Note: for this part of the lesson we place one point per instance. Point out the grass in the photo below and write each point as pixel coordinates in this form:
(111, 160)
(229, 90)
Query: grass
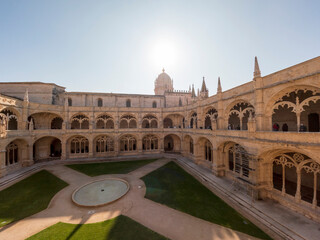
(96, 169)
(120, 228)
(29, 196)
(172, 186)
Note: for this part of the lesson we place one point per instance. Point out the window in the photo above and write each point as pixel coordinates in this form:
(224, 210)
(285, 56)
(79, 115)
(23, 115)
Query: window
(128, 103)
(180, 102)
(100, 102)
(154, 104)
(69, 102)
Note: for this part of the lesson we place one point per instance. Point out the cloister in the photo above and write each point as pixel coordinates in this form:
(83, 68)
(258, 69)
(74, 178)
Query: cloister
(264, 134)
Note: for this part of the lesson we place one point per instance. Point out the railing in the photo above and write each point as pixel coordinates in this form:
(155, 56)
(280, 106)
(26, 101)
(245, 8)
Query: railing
(307, 138)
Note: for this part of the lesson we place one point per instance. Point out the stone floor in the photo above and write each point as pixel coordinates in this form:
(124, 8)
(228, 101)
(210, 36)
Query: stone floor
(164, 220)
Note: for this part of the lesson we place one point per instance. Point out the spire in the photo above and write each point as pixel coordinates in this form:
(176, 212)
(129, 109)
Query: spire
(219, 89)
(256, 72)
(162, 69)
(26, 96)
(189, 88)
(193, 94)
(204, 87)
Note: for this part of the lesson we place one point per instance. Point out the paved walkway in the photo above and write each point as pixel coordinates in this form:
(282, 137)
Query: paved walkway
(164, 220)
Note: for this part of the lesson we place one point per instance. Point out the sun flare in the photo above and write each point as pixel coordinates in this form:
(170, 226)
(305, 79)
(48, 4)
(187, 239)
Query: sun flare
(164, 53)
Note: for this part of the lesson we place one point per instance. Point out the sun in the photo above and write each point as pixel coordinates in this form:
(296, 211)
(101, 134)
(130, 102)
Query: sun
(164, 53)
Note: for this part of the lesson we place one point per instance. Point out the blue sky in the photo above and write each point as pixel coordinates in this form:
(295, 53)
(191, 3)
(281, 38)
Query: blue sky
(109, 46)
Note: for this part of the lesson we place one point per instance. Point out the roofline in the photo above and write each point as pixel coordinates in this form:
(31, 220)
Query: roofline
(115, 94)
(285, 69)
(33, 83)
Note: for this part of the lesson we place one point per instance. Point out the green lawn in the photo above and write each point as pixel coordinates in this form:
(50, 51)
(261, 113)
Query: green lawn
(29, 196)
(96, 169)
(121, 228)
(172, 186)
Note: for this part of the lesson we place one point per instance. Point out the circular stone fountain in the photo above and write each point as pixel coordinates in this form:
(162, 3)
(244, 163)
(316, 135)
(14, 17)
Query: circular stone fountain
(100, 192)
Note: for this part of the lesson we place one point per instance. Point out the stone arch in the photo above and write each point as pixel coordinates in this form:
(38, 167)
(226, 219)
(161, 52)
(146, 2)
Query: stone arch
(205, 149)
(103, 144)
(236, 159)
(188, 144)
(238, 113)
(9, 119)
(47, 148)
(211, 116)
(193, 119)
(79, 121)
(172, 143)
(150, 142)
(16, 153)
(173, 121)
(149, 121)
(293, 174)
(295, 109)
(127, 143)
(56, 123)
(78, 145)
(104, 121)
(128, 121)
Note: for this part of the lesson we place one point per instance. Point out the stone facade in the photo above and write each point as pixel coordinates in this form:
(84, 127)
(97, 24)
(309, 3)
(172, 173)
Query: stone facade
(264, 134)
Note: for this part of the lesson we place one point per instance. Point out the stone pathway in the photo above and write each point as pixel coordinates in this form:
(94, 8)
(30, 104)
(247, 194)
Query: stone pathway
(164, 220)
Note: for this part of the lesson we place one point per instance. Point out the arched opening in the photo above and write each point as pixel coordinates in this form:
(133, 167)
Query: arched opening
(287, 166)
(188, 143)
(128, 143)
(172, 143)
(210, 116)
(12, 154)
(56, 123)
(133, 123)
(167, 123)
(104, 144)
(238, 160)
(149, 121)
(205, 149)
(69, 102)
(239, 116)
(47, 148)
(297, 110)
(173, 121)
(128, 103)
(128, 121)
(80, 121)
(194, 120)
(78, 145)
(9, 120)
(45, 120)
(100, 102)
(154, 104)
(150, 143)
(104, 122)
(17, 152)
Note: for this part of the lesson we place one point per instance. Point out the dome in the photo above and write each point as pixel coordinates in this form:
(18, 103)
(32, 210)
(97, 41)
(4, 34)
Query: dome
(163, 83)
(163, 78)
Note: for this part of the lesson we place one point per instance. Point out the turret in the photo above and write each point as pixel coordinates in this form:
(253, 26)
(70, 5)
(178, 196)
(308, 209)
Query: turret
(256, 72)
(219, 89)
(204, 91)
(193, 93)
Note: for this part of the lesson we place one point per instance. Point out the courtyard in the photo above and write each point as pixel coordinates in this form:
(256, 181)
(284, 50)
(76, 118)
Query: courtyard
(164, 202)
